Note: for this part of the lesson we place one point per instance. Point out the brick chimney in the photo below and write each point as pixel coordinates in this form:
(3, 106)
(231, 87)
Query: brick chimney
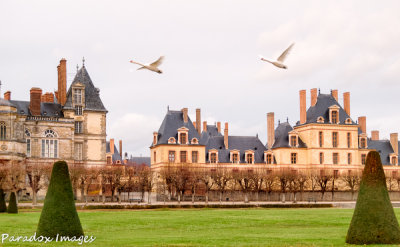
(375, 135)
(34, 106)
(219, 127)
(7, 95)
(346, 102)
(112, 146)
(335, 94)
(62, 82)
(226, 136)
(205, 126)
(270, 129)
(303, 113)
(362, 121)
(48, 97)
(120, 149)
(198, 120)
(314, 95)
(185, 114)
(394, 141)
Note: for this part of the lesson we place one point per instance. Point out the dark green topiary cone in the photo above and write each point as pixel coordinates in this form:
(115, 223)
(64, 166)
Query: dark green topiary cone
(12, 205)
(3, 206)
(59, 214)
(374, 221)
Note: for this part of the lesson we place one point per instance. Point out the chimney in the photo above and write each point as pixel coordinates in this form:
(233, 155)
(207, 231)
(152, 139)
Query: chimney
(303, 113)
(120, 149)
(56, 94)
(226, 136)
(219, 127)
(7, 95)
(34, 106)
(335, 94)
(195, 125)
(346, 102)
(185, 114)
(112, 146)
(394, 141)
(314, 95)
(62, 82)
(48, 97)
(205, 126)
(362, 121)
(270, 129)
(198, 120)
(375, 135)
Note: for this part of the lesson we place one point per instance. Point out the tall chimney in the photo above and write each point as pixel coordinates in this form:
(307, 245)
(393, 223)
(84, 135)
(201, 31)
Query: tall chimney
(198, 120)
(7, 95)
(362, 121)
(219, 127)
(335, 94)
(346, 102)
(375, 135)
(226, 136)
(62, 82)
(314, 95)
(34, 106)
(205, 126)
(303, 113)
(120, 149)
(271, 129)
(112, 146)
(185, 114)
(394, 141)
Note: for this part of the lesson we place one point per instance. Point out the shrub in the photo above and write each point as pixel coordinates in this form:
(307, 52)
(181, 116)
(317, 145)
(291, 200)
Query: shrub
(374, 221)
(59, 215)
(3, 206)
(12, 204)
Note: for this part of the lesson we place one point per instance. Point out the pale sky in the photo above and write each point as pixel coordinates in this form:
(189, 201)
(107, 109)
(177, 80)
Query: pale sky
(211, 61)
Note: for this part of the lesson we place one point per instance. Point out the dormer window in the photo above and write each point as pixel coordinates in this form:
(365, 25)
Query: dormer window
(183, 138)
(171, 140)
(393, 160)
(235, 158)
(183, 135)
(249, 156)
(334, 118)
(78, 96)
(293, 139)
(334, 114)
(320, 119)
(363, 142)
(213, 156)
(155, 135)
(348, 121)
(268, 157)
(195, 141)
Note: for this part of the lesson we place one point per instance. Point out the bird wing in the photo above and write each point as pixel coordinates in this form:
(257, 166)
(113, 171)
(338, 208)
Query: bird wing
(282, 57)
(158, 62)
(137, 63)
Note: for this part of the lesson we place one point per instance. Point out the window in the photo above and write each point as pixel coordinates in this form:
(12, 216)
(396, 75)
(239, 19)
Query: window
(154, 157)
(195, 141)
(349, 158)
(235, 158)
(108, 160)
(171, 140)
(293, 158)
(335, 139)
(363, 143)
(78, 151)
(293, 141)
(77, 96)
(334, 117)
(269, 158)
(78, 127)
(3, 131)
(28, 143)
(321, 139)
(49, 144)
(78, 110)
(183, 138)
(213, 158)
(394, 160)
(348, 139)
(249, 158)
(171, 156)
(195, 156)
(321, 158)
(183, 156)
(335, 158)
(154, 140)
(363, 158)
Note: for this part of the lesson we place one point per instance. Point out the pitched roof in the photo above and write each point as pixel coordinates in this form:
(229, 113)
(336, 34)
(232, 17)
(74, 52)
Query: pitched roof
(383, 147)
(212, 130)
(321, 108)
(46, 109)
(116, 155)
(140, 160)
(282, 136)
(92, 94)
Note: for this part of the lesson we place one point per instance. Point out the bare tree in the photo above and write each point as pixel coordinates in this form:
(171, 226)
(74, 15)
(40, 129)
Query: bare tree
(270, 181)
(283, 177)
(205, 177)
(352, 180)
(302, 180)
(194, 180)
(167, 175)
(37, 178)
(181, 179)
(221, 177)
(390, 180)
(92, 175)
(15, 180)
(75, 173)
(244, 179)
(258, 178)
(322, 180)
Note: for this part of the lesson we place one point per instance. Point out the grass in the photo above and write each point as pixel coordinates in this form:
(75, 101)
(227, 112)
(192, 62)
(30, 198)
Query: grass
(199, 227)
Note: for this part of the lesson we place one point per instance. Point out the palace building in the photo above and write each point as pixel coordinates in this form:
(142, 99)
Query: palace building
(67, 125)
(325, 137)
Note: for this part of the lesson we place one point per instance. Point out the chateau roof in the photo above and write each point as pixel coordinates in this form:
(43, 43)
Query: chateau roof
(282, 136)
(383, 147)
(212, 130)
(116, 156)
(92, 94)
(46, 109)
(4, 102)
(140, 160)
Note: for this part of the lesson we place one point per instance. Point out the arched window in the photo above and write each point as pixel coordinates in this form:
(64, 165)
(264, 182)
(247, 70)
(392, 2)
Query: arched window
(50, 144)
(3, 131)
(28, 143)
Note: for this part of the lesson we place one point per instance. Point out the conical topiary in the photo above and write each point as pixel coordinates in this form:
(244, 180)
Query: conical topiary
(59, 214)
(12, 204)
(374, 221)
(3, 206)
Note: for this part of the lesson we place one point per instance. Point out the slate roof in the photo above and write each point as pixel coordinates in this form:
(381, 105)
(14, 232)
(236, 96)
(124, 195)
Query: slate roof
(46, 109)
(4, 102)
(140, 160)
(92, 94)
(116, 156)
(383, 147)
(173, 120)
(282, 136)
(321, 108)
(212, 130)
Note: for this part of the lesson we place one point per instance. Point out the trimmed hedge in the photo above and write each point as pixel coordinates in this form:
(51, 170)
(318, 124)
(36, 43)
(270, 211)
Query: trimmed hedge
(59, 215)
(3, 206)
(374, 221)
(12, 204)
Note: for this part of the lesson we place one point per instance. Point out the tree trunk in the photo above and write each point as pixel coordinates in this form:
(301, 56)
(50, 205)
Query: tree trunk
(193, 192)
(119, 197)
(294, 198)
(34, 197)
(103, 198)
(148, 197)
(283, 197)
(82, 194)
(207, 197)
(246, 199)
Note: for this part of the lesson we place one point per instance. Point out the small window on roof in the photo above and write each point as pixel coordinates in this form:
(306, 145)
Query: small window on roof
(320, 119)
(348, 121)
(171, 140)
(195, 141)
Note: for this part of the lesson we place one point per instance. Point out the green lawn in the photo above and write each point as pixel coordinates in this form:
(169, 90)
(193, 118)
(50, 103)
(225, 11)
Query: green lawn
(200, 227)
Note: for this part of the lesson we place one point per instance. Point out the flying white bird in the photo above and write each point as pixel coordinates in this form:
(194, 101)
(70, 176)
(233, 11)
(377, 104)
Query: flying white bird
(152, 66)
(281, 58)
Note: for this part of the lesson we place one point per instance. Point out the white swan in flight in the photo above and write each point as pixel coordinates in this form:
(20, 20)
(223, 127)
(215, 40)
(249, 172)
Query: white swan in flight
(281, 58)
(151, 66)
